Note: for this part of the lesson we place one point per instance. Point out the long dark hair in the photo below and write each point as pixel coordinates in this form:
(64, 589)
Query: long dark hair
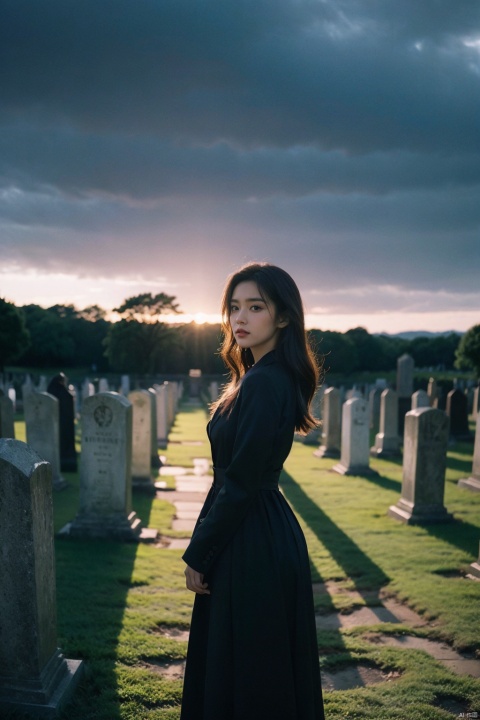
(293, 349)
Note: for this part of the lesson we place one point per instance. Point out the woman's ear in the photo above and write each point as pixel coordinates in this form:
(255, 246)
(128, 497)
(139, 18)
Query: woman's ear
(282, 322)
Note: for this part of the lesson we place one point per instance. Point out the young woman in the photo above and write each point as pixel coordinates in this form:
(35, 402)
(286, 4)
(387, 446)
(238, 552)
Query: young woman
(253, 652)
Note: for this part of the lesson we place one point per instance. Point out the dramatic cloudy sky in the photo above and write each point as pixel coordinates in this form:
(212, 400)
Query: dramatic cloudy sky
(155, 145)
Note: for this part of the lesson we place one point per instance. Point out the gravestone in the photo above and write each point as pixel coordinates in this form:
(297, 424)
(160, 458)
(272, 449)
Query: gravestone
(424, 465)
(155, 461)
(103, 386)
(7, 425)
(141, 439)
(213, 391)
(331, 425)
(354, 454)
(405, 369)
(66, 405)
(125, 385)
(88, 389)
(473, 482)
(476, 404)
(42, 384)
(162, 415)
(106, 471)
(475, 567)
(420, 399)
(43, 431)
(387, 441)
(35, 678)
(195, 381)
(374, 408)
(432, 391)
(457, 411)
(12, 394)
(314, 436)
(27, 388)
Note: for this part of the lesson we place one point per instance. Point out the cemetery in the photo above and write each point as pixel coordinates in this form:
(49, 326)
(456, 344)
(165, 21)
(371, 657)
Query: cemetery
(95, 613)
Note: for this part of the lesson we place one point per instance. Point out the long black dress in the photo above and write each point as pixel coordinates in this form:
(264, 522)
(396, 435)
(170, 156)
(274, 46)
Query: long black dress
(252, 652)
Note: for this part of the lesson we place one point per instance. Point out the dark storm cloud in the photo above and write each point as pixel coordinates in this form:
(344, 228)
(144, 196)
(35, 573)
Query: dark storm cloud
(339, 137)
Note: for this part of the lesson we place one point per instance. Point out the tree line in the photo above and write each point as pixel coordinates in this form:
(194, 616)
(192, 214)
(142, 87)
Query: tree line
(140, 342)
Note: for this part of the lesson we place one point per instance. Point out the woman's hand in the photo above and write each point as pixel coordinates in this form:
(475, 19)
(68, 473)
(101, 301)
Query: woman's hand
(195, 581)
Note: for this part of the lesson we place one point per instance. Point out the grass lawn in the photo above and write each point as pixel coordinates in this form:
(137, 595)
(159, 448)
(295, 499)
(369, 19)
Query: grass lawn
(117, 603)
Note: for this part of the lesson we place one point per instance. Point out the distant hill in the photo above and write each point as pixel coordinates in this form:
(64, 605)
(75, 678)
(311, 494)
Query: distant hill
(412, 334)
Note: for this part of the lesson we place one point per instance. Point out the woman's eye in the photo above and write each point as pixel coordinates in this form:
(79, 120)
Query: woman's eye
(255, 308)
(233, 308)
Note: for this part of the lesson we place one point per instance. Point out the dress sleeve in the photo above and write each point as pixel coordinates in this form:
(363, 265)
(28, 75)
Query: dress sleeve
(258, 423)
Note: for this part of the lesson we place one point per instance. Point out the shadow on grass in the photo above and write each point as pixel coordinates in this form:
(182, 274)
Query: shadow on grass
(93, 581)
(364, 573)
(458, 533)
(384, 482)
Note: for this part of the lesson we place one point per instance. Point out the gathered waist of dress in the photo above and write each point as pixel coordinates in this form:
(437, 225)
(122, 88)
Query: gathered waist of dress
(269, 481)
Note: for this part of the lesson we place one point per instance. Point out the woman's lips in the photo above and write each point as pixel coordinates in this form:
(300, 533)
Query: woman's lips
(242, 333)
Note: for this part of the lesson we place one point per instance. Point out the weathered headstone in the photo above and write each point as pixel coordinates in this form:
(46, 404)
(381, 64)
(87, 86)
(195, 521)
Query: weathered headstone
(387, 441)
(473, 482)
(42, 417)
(106, 471)
(374, 408)
(125, 385)
(354, 455)
(313, 437)
(42, 384)
(475, 567)
(35, 678)
(66, 405)
(103, 385)
(88, 389)
(213, 391)
(476, 403)
(195, 380)
(154, 457)
(405, 369)
(424, 465)
(432, 391)
(7, 425)
(420, 399)
(457, 411)
(141, 439)
(27, 388)
(162, 414)
(331, 425)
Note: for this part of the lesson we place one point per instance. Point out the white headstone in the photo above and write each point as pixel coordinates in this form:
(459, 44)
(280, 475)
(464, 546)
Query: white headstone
(88, 389)
(331, 425)
(125, 385)
(43, 431)
(354, 456)
(473, 482)
(432, 391)
(313, 437)
(387, 441)
(103, 385)
(154, 457)
(424, 465)
(420, 399)
(141, 439)
(35, 678)
(162, 414)
(106, 471)
(374, 408)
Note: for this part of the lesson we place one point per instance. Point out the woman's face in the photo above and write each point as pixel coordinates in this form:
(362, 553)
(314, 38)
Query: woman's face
(254, 321)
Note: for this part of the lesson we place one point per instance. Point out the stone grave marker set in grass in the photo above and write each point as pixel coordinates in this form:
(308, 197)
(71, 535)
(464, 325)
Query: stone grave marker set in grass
(331, 425)
(387, 441)
(424, 466)
(354, 457)
(473, 482)
(42, 420)
(35, 678)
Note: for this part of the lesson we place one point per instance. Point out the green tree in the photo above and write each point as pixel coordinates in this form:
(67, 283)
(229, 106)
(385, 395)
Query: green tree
(51, 340)
(140, 343)
(14, 336)
(337, 350)
(468, 352)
